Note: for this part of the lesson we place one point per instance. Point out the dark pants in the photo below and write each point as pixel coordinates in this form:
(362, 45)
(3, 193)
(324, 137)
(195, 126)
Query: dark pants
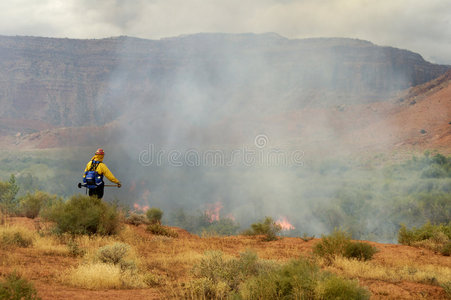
(97, 191)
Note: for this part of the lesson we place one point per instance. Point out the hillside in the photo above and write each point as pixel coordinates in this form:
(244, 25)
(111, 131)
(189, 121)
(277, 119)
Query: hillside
(395, 272)
(69, 83)
(415, 119)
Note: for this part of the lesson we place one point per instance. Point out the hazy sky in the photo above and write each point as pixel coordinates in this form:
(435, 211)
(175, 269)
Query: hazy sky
(423, 26)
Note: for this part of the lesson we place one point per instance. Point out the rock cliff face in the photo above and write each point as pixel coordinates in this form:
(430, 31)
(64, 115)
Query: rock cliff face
(70, 83)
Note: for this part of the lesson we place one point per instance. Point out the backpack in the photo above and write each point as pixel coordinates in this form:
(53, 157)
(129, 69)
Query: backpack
(93, 179)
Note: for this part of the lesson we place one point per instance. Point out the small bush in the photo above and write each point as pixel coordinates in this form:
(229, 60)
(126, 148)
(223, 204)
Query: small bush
(74, 249)
(154, 215)
(205, 288)
(158, 229)
(217, 276)
(14, 287)
(84, 215)
(113, 266)
(31, 204)
(115, 254)
(268, 227)
(433, 237)
(332, 245)
(306, 237)
(334, 287)
(137, 219)
(300, 279)
(15, 237)
(152, 280)
(446, 249)
(447, 287)
(221, 228)
(360, 251)
(294, 280)
(9, 204)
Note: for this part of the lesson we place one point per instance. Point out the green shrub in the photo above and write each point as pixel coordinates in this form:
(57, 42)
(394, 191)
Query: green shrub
(31, 204)
(268, 227)
(13, 287)
(15, 237)
(332, 245)
(425, 232)
(84, 215)
(154, 215)
(360, 251)
(217, 277)
(305, 237)
(434, 237)
(116, 254)
(158, 229)
(446, 249)
(434, 171)
(205, 288)
(294, 280)
(113, 254)
(447, 287)
(405, 236)
(9, 204)
(300, 279)
(136, 219)
(221, 227)
(74, 248)
(334, 287)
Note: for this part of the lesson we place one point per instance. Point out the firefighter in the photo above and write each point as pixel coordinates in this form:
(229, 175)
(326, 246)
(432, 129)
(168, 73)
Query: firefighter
(94, 172)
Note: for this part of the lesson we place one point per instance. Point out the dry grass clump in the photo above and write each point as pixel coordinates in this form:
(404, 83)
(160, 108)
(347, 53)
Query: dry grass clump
(103, 276)
(95, 276)
(50, 245)
(15, 236)
(429, 274)
(158, 229)
(136, 219)
(113, 266)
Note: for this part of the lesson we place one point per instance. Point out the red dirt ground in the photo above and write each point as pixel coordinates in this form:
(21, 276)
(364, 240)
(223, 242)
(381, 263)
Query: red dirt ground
(44, 270)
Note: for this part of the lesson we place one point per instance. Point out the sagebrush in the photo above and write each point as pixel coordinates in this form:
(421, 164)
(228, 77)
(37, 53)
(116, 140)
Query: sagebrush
(84, 215)
(14, 287)
(31, 204)
(268, 227)
(154, 215)
(339, 243)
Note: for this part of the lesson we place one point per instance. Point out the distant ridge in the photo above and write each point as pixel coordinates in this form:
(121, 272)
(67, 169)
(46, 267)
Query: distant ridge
(70, 83)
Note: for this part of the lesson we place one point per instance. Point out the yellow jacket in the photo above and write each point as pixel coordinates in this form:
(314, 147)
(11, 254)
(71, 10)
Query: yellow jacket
(102, 169)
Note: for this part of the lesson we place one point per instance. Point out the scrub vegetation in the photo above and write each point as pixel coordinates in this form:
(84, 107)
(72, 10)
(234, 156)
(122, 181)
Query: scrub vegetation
(99, 246)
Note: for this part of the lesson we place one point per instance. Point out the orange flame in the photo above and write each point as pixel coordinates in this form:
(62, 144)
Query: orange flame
(213, 210)
(138, 207)
(283, 222)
